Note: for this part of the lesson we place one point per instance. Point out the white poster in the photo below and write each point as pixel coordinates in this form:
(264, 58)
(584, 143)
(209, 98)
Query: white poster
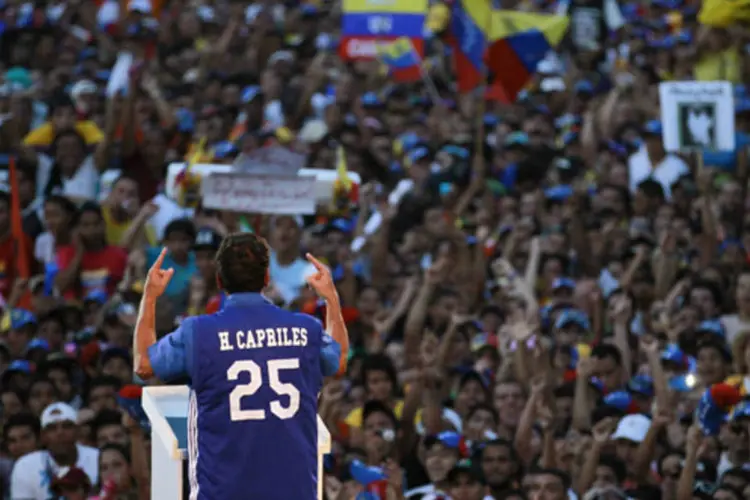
(260, 194)
(697, 115)
(272, 160)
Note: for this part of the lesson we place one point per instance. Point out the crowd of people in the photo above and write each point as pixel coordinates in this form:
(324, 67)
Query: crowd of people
(546, 305)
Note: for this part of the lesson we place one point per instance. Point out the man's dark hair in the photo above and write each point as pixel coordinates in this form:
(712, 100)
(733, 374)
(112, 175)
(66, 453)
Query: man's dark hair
(379, 363)
(373, 406)
(103, 381)
(242, 263)
(603, 351)
(64, 203)
(118, 448)
(89, 206)
(652, 189)
(41, 379)
(105, 418)
(618, 466)
(560, 474)
(184, 226)
(484, 407)
(499, 443)
(22, 420)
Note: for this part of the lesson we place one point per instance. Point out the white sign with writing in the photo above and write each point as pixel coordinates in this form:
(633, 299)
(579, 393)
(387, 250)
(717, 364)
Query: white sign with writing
(272, 160)
(697, 116)
(261, 194)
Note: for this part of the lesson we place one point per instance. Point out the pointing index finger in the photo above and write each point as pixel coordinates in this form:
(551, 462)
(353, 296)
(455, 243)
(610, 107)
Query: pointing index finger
(315, 262)
(160, 259)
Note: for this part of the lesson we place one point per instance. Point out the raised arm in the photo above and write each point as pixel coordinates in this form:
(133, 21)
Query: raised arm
(145, 327)
(322, 283)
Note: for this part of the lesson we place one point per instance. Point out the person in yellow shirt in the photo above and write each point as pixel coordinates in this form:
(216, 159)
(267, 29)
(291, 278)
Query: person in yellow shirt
(125, 220)
(63, 117)
(381, 384)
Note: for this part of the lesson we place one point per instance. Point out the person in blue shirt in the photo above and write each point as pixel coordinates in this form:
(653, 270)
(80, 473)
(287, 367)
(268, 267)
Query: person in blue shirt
(179, 238)
(255, 371)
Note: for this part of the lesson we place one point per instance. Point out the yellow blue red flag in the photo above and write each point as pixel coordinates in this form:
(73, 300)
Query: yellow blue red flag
(367, 23)
(403, 62)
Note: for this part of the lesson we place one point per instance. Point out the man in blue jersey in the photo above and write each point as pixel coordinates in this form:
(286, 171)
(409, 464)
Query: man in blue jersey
(255, 371)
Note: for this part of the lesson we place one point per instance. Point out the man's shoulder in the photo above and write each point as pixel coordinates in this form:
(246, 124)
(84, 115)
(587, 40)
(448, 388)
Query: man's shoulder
(30, 462)
(85, 452)
(306, 319)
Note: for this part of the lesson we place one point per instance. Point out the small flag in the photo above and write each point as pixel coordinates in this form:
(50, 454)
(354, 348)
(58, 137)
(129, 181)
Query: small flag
(345, 191)
(401, 59)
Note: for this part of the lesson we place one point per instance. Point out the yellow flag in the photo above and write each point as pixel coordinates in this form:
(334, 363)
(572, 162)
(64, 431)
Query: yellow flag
(723, 13)
(718, 66)
(342, 173)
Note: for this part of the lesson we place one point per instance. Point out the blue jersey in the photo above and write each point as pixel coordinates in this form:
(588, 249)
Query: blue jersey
(256, 371)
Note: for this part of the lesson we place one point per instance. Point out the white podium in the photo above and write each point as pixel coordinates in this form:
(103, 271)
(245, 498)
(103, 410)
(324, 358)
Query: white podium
(167, 409)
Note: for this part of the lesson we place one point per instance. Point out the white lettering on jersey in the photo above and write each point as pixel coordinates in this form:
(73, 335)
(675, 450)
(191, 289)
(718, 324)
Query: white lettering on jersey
(264, 337)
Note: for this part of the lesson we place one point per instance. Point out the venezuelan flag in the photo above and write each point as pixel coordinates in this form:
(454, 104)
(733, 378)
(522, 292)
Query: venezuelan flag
(520, 41)
(513, 60)
(366, 24)
(403, 62)
(468, 35)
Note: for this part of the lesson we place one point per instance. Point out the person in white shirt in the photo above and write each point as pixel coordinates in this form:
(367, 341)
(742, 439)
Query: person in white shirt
(652, 161)
(33, 473)
(287, 269)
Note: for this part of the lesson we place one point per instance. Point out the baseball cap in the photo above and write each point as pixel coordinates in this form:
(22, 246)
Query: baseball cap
(58, 412)
(711, 326)
(559, 283)
(37, 344)
(652, 127)
(449, 439)
(207, 239)
(16, 319)
(19, 366)
(641, 384)
(632, 428)
(572, 317)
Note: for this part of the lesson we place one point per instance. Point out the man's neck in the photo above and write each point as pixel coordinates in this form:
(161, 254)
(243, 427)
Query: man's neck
(287, 257)
(68, 459)
(181, 260)
(656, 155)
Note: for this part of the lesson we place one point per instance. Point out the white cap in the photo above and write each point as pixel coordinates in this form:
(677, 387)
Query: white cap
(82, 87)
(108, 13)
(281, 55)
(552, 84)
(632, 428)
(313, 131)
(58, 412)
(142, 6)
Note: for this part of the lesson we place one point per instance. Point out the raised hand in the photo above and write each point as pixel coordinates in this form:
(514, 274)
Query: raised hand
(603, 430)
(649, 345)
(158, 278)
(322, 281)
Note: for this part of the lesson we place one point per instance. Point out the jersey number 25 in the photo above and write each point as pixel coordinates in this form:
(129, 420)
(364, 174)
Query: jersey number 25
(273, 367)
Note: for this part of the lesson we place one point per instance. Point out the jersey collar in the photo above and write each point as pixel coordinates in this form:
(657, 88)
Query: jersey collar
(246, 299)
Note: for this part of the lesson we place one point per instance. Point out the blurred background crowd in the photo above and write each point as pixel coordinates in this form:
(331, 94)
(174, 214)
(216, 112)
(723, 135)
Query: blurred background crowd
(552, 306)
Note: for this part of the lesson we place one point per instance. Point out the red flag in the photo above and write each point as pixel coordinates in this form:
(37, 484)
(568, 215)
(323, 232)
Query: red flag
(22, 253)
